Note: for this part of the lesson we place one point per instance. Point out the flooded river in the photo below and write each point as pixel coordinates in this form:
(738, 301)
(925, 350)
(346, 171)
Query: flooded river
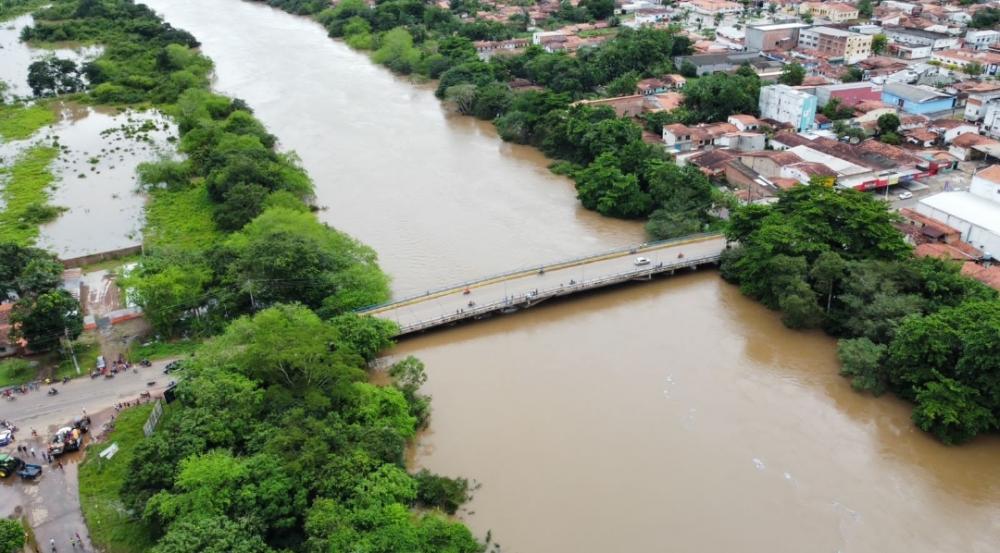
(95, 173)
(671, 416)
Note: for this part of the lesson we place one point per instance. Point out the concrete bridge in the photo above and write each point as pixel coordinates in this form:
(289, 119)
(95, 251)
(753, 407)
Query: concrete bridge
(524, 288)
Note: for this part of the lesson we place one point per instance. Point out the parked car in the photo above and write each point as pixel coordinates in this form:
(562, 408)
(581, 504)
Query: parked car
(639, 261)
(30, 472)
(905, 195)
(9, 465)
(6, 436)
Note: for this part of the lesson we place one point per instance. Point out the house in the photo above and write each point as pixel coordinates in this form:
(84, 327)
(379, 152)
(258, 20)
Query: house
(784, 103)
(836, 44)
(912, 36)
(981, 39)
(682, 138)
(976, 213)
(674, 81)
(870, 111)
(831, 11)
(960, 59)
(486, 48)
(971, 146)
(648, 87)
(991, 119)
(711, 162)
(920, 137)
(987, 274)
(949, 129)
(979, 97)
(780, 36)
(848, 94)
(706, 64)
(769, 163)
(744, 123)
(916, 99)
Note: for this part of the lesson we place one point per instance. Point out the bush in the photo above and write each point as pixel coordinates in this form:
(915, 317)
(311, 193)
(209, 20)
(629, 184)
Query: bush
(441, 491)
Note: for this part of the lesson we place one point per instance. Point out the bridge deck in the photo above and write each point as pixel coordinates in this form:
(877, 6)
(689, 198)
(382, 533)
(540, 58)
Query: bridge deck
(525, 288)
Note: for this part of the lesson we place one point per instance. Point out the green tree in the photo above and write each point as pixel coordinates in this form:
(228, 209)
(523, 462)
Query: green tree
(623, 85)
(973, 68)
(45, 319)
(11, 536)
(397, 51)
(952, 411)
(603, 186)
(793, 74)
(688, 69)
(852, 75)
(865, 9)
(366, 335)
(888, 123)
(826, 271)
(492, 100)
(463, 96)
(879, 41)
(599, 9)
(863, 361)
(716, 97)
(169, 297)
(52, 76)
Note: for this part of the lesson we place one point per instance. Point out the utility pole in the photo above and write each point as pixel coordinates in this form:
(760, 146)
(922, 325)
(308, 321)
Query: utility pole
(72, 353)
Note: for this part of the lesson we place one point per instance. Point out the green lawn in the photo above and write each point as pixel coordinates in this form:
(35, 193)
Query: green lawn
(87, 349)
(181, 219)
(159, 350)
(112, 528)
(25, 197)
(15, 371)
(18, 122)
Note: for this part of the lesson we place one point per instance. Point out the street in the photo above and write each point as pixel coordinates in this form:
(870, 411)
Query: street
(41, 412)
(52, 502)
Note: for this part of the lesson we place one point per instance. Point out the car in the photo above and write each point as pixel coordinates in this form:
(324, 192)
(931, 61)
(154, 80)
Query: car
(9, 465)
(6, 436)
(639, 261)
(905, 195)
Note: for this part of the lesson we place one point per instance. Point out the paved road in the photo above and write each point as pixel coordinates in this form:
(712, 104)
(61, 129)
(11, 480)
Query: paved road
(435, 305)
(43, 412)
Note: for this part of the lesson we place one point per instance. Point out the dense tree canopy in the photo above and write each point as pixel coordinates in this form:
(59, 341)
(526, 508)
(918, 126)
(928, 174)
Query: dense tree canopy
(913, 326)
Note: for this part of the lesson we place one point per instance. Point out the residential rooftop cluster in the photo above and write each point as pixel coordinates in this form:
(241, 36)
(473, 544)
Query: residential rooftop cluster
(929, 70)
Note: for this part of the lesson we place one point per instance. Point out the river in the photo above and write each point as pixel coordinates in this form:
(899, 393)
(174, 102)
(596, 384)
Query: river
(672, 416)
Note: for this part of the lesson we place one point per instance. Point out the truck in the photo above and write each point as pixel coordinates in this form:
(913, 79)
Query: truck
(69, 438)
(9, 465)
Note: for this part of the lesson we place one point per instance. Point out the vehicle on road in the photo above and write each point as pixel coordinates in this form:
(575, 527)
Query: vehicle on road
(6, 436)
(905, 195)
(30, 472)
(639, 261)
(69, 438)
(9, 465)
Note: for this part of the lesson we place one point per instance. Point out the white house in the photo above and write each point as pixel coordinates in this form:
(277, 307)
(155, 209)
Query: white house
(976, 213)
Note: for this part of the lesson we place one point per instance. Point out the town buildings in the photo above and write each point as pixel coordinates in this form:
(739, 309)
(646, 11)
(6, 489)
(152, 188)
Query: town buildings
(976, 213)
(788, 105)
(989, 62)
(781, 36)
(916, 99)
(831, 11)
(919, 37)
(836, 44)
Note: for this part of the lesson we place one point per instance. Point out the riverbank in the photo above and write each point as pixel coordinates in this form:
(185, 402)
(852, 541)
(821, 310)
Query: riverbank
(260, 248)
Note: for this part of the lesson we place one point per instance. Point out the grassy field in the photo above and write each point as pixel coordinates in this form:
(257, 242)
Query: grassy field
(18, 122)
(10, 9)
(112, 528)
(159, 350)
(25, 197)
(15, 371)
(181, 219)
(87, 349)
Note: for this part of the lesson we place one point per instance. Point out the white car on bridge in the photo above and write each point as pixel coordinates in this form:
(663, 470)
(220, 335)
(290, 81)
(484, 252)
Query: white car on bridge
(639, 261)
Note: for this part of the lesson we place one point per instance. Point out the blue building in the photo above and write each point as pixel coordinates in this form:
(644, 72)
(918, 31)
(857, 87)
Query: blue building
(916, 99)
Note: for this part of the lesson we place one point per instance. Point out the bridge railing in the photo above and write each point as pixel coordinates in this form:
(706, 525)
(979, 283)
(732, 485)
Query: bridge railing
(515, 301)
(554, 265)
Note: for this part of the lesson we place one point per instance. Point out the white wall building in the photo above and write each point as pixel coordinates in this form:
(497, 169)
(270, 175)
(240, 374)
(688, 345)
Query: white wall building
(788, 105)
(976, 213)
(981, 40)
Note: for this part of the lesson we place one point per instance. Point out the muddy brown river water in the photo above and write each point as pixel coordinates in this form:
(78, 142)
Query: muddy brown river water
(670, 416)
